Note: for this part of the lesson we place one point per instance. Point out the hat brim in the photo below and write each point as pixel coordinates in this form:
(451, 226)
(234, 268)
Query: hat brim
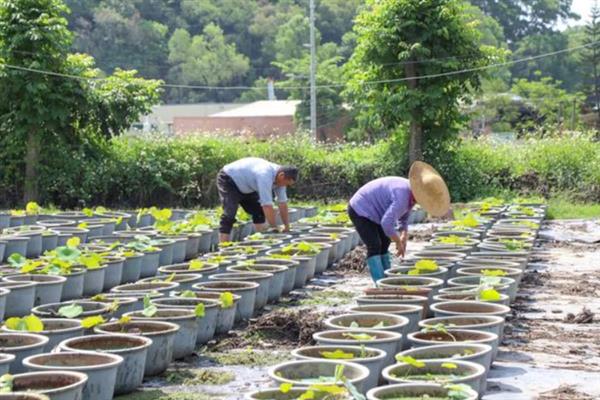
(433, 197)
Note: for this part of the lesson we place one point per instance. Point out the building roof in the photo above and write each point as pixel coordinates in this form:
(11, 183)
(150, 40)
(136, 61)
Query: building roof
(165, 113)
(263, 108)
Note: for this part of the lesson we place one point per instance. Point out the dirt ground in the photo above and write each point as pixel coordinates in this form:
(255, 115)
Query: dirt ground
(551, 349)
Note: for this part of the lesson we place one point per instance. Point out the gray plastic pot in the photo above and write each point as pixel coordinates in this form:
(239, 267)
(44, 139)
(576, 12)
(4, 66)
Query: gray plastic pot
(275, 284)
(475, 280)
(184, 268)
(226, 316)
(48, 288)
(476, 322)
(3, 296)
(185, 281)
(100, 368)
(179, 247)
(421, 339)
(163, 287)
(132, 268)
(124, 304)
(470, 295)
(412, 312)
(205, 326)
(513, 273)
(205, 241)
(185, 339)
(332, 254)
(162, 334)
(411, 282)
(150, 263)
(93, 281)
(304, 269)
(415, 391)
(289, 278)
(472, 373)
(90, 309)
(73, 287)
(263, 280)
(20, 298)
(296, 372)
(246, 291)
(451, 308)
(21, 345)
(14, 244)
(2, 249)
(23, 396)
(384, 299)
(6, 360)
(34, 245)
(517, 257)
(70, 232)
(389, 342)
(346, 235)
(474, 352)
(369, 321)
(369, 357)
(56, 330)
(441, 273)
(114, 272)
(133, 350)
(322, 258)
(57, 385)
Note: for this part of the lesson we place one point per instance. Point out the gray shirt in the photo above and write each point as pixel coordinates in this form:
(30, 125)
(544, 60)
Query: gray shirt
(254, 174)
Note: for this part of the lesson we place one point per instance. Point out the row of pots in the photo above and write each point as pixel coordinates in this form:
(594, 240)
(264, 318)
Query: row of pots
(384, 328)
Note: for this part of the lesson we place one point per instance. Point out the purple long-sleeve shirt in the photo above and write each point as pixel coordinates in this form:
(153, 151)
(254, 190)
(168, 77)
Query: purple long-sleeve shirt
(385, 201)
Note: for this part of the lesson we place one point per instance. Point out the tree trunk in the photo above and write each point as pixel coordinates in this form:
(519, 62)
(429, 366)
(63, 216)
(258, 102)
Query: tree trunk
(415, 146)
(32, 160)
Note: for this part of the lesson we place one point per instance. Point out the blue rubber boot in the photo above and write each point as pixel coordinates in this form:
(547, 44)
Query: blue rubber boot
(375, 268)
(386, 261)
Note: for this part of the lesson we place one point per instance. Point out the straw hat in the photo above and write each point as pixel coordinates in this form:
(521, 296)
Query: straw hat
(429, 189)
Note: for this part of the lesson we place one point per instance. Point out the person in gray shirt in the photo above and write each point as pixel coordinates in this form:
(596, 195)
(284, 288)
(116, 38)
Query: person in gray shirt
(250, 183)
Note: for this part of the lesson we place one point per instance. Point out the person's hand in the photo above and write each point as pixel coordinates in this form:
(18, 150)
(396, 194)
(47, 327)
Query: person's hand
(273, 229)
(401, 244)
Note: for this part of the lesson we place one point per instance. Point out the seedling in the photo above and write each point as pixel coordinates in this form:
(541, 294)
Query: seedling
(71, 311)
(493, 272)
(226, 299)
(337, 355)
(410, 361)
(91, 322)
(439, 328)
(359, 336)
(149, 309)
(30, 323)
(458, 391)
(6, 383)
(199, 311)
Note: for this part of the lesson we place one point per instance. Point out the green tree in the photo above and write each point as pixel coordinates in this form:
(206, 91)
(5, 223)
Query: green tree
(396, 41)
(44, 108)
(521, 18)
(205, 59)
(591, 56)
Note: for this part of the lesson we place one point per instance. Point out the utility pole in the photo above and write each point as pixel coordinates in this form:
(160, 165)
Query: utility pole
(313, 73)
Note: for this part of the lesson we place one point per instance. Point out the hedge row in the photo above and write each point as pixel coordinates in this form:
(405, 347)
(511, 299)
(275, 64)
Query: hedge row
(135, 171)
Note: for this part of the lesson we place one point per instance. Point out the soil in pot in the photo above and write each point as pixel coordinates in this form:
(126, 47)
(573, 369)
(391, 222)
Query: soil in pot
(63, 385)
(21, 345)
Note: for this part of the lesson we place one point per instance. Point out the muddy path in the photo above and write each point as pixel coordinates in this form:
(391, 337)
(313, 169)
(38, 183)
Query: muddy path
(551, 348)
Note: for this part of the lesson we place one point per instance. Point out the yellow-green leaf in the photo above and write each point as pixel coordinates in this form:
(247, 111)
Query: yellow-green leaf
(70, 311)
(226, 299)
(493, 272)
(426, 265)
(337, 355)
(285, 387)
(125, 319)
(6, 383)
(73, 242)
(449, 365)
(91, 322)
(16, 324)
(83, 225)
(489, 295)
(33, 323)
(410, 361)
(199, 310)
(359, 336)
(88, 212)
(170, 278)
(195, 265)
(32, 208)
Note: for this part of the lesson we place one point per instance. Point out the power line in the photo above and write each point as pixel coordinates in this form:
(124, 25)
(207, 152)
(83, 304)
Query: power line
(328, 86)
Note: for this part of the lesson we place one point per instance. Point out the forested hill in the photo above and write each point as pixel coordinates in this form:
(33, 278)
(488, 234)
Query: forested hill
(243, 42)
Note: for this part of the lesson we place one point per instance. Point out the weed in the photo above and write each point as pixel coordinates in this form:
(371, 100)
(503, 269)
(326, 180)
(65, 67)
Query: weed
(200, 376)
(160, 395)
(248, 357)
(328, 298)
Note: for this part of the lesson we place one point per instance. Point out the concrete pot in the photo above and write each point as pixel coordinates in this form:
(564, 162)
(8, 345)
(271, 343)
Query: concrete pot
(163, 287)
(73, 287)
(205, 326)
(57, 385)
(20, 298)
(263, 280)
(150, 263)
(21, 345)
(246, 291)
(48, 288)
(452, 336)
(289, 279)
(185, 281)
(275, 284)
(5, 361)
(114, 272)
(369, 321)
(3, 297)
(56, 330)
(93, 281)
(132, 268)
(415, 391)
(100, 368)
(90, 309)
(411, 312)
(184, 268)
(387, 341)
(475, 322)
(162, 334)
(226, 316)
(133, 350)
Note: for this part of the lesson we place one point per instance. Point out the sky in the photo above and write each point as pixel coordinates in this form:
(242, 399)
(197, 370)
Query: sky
(582, 7)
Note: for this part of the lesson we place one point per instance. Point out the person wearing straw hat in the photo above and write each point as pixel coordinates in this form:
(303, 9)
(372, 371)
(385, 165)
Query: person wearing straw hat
(383, 204)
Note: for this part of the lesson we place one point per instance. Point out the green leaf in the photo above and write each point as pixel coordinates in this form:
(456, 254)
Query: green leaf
(490, 280)
(426, 265)
(285, 387)
(453, 240)
(147, 301)
(150, 311)
(83, 225)
(458, 391)
(493, 272)
(199, 310)
(91, 261)
(410, 361)
(16, 260)
(226, 299)
(67, 254)
(71, 311)
(161, 215)
(188, 294)
(354, 324)
(98, 297)
(32, 208)
(124, 320)
(88, 212)
(337, 355)
(93, 321)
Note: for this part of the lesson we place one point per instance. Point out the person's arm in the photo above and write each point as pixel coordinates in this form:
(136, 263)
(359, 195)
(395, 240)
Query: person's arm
(285, 216)
(270, 215)
(265, 196)
(390, 218)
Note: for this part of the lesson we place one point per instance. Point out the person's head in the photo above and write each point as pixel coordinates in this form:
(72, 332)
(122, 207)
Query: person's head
(286, 176)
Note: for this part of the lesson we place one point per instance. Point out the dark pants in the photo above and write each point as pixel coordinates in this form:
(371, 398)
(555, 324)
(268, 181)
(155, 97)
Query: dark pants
(232, 198)
(371, 234)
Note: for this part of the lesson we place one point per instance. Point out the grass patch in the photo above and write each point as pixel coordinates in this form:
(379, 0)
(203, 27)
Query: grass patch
(330, 298)
(160, 395)
(200, 376)
(248, 357)
(564, 208)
